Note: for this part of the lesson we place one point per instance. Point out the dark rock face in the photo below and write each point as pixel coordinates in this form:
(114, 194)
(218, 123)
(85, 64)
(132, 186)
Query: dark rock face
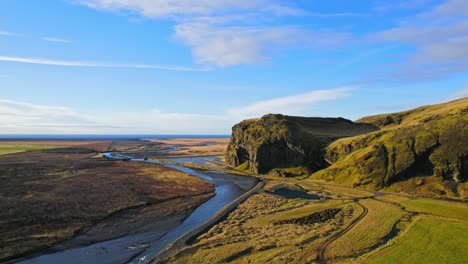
(277, 141)
(424, 152)
(318, 217)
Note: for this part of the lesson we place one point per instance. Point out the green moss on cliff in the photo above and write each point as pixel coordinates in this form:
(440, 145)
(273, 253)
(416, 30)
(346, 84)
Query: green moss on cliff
(427, 141)
(277, 141)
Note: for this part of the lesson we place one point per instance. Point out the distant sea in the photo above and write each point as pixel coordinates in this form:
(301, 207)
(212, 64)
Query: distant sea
(102, 136)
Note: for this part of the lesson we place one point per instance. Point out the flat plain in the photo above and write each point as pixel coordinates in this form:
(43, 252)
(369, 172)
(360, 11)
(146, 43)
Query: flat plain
(53, 194)
(60, 191)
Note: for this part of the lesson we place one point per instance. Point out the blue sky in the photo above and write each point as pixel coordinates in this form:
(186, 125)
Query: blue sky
(198, 67)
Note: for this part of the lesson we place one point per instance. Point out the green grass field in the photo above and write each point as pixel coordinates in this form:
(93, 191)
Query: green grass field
(23, 148)
(368, 232)
(437, 208)
(429, 240)
(10, 150)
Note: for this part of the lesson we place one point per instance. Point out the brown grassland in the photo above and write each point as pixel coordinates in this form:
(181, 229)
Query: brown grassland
(51, 195)
(196, 146)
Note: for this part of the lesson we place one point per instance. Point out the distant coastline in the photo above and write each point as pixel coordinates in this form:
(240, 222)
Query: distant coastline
(102, 136)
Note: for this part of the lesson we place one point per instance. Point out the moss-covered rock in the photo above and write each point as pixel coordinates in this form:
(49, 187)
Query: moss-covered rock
(278, 141)
(430, 141)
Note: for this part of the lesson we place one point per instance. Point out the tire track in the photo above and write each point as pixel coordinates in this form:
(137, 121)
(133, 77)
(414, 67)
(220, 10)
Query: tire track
(329, 240)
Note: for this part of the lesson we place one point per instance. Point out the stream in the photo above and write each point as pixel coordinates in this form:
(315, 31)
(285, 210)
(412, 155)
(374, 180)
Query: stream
(140, 248)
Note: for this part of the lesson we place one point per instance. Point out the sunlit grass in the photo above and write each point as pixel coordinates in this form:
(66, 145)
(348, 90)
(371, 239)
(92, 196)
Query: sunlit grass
(428, 240)
(438, 208)
(378, 222)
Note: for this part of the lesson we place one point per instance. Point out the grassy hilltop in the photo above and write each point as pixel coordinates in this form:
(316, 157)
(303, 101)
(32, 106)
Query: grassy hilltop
(278, 141)
(422, 151)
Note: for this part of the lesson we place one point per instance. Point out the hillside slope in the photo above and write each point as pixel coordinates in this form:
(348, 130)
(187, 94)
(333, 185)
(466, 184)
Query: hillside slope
(278, 141)
(421, 151)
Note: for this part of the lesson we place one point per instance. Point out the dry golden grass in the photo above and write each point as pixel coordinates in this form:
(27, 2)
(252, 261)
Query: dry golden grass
(393, 198)
(300, 212)
(190, 141)
(375, 225)
(196, 146)
(348, 191)
(420, 114)
(251, 234)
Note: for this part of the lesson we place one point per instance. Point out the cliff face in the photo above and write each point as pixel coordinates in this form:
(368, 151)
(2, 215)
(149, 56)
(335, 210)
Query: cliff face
(422, 151)
(277, 141)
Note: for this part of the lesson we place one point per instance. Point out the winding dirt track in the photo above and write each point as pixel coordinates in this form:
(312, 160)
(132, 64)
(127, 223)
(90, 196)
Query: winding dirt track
(329, 240)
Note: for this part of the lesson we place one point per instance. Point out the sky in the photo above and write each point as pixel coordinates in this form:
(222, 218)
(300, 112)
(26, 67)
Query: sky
(199, 67)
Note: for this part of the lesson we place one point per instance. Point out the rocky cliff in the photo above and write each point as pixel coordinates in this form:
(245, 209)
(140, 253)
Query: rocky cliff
(278, 141)
(421, 151)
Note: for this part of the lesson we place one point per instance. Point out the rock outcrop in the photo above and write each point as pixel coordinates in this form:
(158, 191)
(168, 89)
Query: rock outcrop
(278, 141)
(422, 151)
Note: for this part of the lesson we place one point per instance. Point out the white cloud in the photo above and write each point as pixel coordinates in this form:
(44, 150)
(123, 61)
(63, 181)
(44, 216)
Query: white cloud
(7, 33)
(58, 40)
(176, 8)
(231, 32)
(67, 63)
(387, 6)
(25, 118)
(462, 93)
(20, 117)
(336, 15)
(450, 8)
(292, 105)
(440, 42)
(232, 45)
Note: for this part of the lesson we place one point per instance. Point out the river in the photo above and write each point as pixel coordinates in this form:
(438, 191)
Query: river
(140, 248)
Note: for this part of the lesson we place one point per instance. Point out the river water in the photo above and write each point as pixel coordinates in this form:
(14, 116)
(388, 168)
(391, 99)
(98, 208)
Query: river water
(140, 248)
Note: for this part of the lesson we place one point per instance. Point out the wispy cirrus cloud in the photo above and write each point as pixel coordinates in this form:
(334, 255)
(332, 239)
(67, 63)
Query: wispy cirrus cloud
(7, 33)
(177, 8)
(20, 117)
(57, 40)
(439, 39)
(71, 63)
(462, 93)
(292, 104)
(386, 6)
(26, 118)
(49, 39)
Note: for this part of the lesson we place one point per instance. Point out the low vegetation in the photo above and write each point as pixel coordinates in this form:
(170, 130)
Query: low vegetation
(368, 232)
(53, 194)
(447, 209)
(269, 229)
(194, 146)
(421, 152)
(48, 196)
(278, 141)
(14, 146)
(427, 240)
